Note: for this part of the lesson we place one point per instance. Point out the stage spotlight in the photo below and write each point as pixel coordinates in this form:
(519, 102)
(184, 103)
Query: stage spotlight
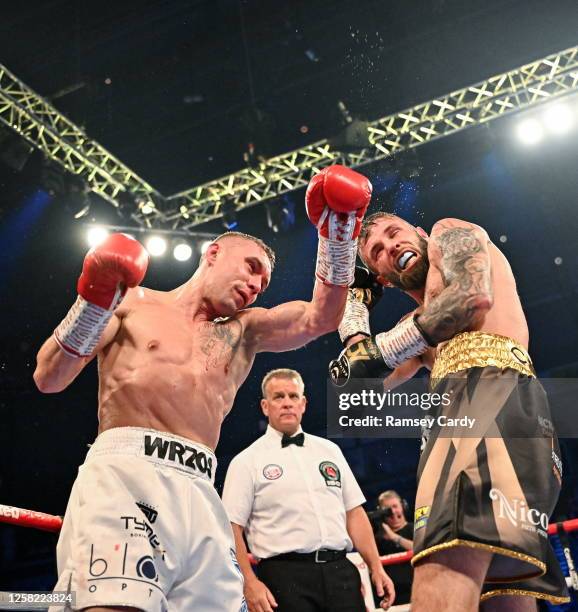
(77, 200)
(354, 134)
(353, 137)
(96, 235)
(205, 246)
(14, 150)
(52, 178)
(280, 215)
(146, 206)
(183, 209)
(558, 118)
(182, 252)
(530, 131)
(156, 246)
(312, 55)
(127, 204)
(83, 210)
(229, 210)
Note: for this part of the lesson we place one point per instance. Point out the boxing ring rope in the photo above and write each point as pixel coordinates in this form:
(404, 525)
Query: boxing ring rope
(49, 522)
(30, 518)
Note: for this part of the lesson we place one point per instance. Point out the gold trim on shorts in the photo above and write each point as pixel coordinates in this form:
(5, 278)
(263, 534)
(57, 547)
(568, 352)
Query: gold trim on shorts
(541, 566)
(553, 599)
(478, 350)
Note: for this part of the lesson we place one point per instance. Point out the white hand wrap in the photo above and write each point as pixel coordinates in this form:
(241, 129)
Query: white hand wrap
(336, 261)
(401, 343)
(355, 319)
(81, 329)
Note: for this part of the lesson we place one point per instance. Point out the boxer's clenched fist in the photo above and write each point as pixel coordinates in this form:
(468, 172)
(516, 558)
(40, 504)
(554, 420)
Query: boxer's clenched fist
(361, 359)
(109, 270)
(336, 201)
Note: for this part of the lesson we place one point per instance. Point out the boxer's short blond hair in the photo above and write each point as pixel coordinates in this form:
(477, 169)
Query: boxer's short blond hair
(268, 250)
(285, 373)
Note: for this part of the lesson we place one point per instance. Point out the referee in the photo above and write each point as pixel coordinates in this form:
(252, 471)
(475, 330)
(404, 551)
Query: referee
(299, 505)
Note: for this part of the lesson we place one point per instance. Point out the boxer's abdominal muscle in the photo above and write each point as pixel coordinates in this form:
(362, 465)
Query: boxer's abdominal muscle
(167, 373)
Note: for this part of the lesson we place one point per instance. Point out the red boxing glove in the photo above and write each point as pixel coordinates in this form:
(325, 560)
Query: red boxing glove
(336, 201)
(108, 271)
(110, 268)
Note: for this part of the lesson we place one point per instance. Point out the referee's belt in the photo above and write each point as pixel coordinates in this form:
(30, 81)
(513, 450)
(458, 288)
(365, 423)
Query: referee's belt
(323, 555)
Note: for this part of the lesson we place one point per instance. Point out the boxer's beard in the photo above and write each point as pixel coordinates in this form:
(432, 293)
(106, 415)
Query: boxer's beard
(416, 277)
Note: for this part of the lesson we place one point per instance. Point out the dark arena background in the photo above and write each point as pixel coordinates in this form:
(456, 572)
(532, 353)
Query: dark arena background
(107, 110)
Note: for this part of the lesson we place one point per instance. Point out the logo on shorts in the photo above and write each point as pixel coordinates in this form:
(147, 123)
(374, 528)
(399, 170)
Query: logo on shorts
(330, 473)
(272, 471)
(519, 355)
(519, 514)
(546, 426)
(143, 530)
(421, 516)
(146, 568)
(117, 570)
(172, 450)
(148, 511)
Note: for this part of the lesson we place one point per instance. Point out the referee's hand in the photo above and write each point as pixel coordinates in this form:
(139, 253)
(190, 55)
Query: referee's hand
(258, 597)
(383, 587)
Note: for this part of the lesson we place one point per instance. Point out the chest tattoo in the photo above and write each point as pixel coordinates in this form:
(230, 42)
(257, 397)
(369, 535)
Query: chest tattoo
(220, 342)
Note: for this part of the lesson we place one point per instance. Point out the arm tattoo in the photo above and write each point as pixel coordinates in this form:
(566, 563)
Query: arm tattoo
(466, 274)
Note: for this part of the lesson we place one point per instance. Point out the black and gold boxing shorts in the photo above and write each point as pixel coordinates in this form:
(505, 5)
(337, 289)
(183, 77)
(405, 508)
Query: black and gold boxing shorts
(495, 487)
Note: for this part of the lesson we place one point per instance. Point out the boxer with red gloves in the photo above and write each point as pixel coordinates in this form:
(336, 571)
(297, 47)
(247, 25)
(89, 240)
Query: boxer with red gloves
(109, 270)
(170, 364)
(337, 199)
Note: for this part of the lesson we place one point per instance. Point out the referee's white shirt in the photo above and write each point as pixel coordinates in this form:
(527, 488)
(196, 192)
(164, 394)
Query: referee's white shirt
(291, 499)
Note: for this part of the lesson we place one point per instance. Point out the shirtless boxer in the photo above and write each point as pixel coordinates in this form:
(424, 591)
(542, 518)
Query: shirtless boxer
(144, 528)
(482, 502)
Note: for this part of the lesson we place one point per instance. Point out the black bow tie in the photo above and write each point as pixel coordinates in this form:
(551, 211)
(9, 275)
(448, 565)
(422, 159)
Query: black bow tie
(287, 440)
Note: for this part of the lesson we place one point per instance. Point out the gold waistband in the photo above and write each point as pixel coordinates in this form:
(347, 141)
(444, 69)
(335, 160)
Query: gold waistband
(478, 350)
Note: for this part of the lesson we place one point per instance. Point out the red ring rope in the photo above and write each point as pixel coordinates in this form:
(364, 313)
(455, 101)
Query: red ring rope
(49, 522)
(29, 518)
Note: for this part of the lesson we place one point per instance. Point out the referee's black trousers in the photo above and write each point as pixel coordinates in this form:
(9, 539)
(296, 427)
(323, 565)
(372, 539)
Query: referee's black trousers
(305, 586)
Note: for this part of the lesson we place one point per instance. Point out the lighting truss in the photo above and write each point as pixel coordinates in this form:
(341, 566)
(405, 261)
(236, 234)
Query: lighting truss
(62, 141)
(526, 86)
(529, 85)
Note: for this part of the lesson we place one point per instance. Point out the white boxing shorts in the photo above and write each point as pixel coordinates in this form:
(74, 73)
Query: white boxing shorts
(144, 527)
